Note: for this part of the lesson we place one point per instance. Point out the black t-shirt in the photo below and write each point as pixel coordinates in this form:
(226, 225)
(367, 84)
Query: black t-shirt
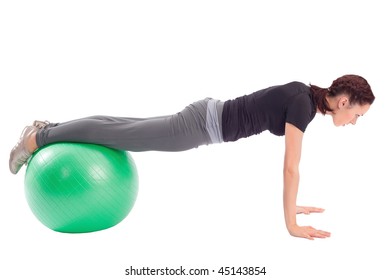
(268, 109)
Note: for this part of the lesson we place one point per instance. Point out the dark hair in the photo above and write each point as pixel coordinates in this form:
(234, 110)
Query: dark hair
(356, 87)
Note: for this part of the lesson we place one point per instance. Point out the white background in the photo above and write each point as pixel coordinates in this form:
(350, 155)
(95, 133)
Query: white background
(214, 206)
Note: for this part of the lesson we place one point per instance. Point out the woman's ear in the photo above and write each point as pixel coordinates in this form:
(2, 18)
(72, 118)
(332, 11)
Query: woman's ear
(343, 102)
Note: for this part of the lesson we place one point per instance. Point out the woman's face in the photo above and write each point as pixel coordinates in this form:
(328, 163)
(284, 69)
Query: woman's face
(345, 113)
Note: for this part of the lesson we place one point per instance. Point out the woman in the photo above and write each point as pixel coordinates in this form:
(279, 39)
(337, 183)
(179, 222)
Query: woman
(283, 110)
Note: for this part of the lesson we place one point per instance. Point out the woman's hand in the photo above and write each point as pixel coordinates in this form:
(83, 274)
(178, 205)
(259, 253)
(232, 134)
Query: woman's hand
(307, 210)
(307, 232)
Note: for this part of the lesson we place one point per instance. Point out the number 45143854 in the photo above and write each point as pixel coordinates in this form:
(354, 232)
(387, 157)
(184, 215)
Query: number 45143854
(229, 270)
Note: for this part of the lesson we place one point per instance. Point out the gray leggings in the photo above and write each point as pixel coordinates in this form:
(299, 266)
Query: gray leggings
(198, 124)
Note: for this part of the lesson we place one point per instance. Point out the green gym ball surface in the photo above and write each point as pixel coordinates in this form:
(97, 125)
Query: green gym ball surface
(77, 188)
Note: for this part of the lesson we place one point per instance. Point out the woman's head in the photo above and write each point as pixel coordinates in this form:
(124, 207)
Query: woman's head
(348, 98)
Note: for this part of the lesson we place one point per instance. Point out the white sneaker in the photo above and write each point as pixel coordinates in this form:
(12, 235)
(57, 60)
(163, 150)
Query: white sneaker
(41, 124)
(20, 154)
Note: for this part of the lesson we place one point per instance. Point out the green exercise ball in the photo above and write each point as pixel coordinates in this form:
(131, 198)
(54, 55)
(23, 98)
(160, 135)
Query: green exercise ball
(76, 188)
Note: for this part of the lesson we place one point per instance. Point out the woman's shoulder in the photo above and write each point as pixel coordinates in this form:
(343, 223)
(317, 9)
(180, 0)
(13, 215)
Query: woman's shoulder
(297, 90)
(280, 93)
(297, 85)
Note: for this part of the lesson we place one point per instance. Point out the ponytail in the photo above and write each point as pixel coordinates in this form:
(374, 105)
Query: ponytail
(320, 95)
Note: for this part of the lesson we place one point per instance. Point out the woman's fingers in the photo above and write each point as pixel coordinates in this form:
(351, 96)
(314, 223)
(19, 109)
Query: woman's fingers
(321, 234)
(318, 233)
(315, 210)
(309, 209)
(308, 232)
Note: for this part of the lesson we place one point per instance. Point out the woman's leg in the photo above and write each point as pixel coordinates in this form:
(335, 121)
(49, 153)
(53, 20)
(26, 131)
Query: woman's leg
(182, 131)
(198, 124)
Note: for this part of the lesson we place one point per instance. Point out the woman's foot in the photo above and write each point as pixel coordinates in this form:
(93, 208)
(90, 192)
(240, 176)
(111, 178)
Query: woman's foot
(41, 124)
(20, 153)
(25, 146)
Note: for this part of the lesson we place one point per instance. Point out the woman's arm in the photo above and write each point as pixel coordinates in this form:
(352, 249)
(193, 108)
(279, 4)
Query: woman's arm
(292, 157)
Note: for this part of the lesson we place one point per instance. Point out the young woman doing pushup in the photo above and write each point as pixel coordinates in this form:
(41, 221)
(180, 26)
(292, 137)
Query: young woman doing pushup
(283, 110)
